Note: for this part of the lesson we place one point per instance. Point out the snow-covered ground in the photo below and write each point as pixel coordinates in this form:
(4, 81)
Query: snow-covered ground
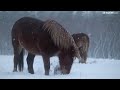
(94, 69)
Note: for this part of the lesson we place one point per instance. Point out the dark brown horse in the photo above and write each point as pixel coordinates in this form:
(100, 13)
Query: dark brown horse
(45, 38)
(82, 41)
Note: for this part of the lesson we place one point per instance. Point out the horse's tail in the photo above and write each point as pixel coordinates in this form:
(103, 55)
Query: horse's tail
(21, 60)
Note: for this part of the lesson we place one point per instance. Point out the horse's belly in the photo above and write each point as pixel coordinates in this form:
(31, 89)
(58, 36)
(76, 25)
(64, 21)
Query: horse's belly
(41, 46)
(30, 47)
(33, 51)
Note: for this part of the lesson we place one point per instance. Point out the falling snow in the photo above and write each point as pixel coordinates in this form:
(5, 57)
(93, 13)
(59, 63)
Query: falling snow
(102, 27)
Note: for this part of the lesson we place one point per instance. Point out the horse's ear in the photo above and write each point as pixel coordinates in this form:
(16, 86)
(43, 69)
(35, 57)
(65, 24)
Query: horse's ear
(89, 35)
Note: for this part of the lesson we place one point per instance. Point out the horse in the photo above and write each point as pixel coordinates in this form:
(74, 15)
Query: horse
(82, 41)
(46, 38)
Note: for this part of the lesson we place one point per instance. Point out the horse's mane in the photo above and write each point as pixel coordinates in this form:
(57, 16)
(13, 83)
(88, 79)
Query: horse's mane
(59, 35)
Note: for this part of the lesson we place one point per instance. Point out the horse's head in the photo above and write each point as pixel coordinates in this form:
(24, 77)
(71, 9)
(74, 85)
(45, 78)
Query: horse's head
(68, 57)
(82, 42)
(65, 64)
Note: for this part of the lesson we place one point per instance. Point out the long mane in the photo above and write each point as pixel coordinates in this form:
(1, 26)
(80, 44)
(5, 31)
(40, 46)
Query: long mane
(59, 35)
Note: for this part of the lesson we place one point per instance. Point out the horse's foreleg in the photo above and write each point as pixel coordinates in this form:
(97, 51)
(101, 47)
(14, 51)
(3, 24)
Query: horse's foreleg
(46, 61)
(83, 57)
(30, 60)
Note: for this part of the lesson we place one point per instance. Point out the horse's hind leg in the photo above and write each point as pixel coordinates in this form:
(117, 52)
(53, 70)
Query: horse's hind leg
(15, 62)
(30, 60)
(21, 60)
(17, 50)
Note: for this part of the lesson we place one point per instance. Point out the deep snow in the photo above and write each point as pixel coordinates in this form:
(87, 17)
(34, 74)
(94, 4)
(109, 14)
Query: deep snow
(94, 69)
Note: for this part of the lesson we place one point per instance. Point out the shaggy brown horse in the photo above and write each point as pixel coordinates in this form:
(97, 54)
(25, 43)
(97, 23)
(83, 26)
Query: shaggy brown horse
(82, 41)
(46, 38)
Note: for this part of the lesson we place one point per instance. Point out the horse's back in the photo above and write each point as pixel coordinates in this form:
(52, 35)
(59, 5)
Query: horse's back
(28, 23)
(30, 35)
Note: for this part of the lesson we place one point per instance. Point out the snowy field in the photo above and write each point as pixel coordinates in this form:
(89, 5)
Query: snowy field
(94, 69)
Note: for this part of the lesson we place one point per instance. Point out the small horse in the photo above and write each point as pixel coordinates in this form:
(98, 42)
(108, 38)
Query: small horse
(46, 38)
(82, 41)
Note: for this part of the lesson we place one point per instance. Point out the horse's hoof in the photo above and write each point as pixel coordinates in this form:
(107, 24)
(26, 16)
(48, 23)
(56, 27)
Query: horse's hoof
(15, 70)
(31, 72)
(46, 73)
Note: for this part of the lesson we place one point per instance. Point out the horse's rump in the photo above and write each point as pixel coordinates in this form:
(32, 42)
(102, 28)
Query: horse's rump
(27, 32)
